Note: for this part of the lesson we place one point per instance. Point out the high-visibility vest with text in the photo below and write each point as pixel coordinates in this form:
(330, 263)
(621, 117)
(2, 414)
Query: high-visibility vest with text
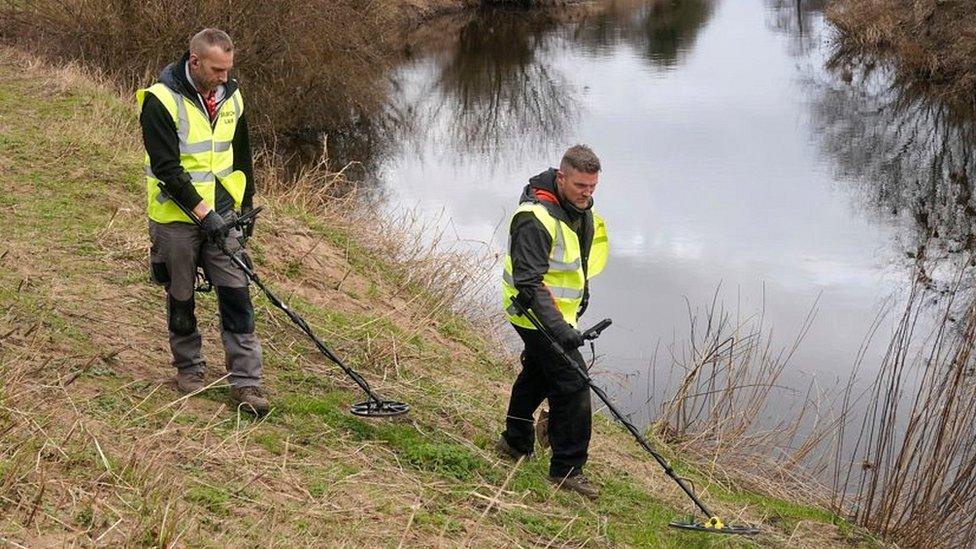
(206, 151)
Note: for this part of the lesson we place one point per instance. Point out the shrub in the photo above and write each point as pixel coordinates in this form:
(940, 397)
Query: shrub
(304, 65)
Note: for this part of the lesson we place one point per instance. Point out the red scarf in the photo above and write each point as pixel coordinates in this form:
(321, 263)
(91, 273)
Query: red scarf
(210, 100)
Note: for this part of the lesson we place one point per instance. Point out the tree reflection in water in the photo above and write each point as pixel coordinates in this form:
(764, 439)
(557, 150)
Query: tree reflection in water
(661, 30)
(794, 18)
(910, 154)
(499, 85)
(505, 86)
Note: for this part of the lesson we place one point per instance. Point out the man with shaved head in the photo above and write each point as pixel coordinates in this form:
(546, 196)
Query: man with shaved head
(198, 153)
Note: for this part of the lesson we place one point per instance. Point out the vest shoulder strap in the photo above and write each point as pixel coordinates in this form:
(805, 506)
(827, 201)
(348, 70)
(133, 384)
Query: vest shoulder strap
(541, 213)
(599, 226)
(165, 95)
(599, 248)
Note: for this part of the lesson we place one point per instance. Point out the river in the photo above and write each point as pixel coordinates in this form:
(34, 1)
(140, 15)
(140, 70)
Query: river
(716, 178)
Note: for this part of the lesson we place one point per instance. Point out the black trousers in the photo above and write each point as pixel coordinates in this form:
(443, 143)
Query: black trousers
(544, 376)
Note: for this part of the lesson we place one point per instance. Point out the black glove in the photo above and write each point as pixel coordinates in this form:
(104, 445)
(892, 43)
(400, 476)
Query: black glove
(215, 227)
(247, 228)
(569, 337)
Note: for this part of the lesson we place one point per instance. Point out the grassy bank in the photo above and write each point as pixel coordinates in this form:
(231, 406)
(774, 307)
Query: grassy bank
(96, 448)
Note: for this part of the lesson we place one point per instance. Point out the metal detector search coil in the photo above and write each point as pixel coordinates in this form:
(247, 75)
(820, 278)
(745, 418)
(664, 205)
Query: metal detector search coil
(714, 525)
(372, 408)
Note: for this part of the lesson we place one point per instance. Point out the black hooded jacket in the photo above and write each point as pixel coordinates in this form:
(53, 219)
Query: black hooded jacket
(163, 144)
(531, 243)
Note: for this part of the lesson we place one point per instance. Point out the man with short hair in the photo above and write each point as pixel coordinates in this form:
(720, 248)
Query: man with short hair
(556, 244)
(197, 146)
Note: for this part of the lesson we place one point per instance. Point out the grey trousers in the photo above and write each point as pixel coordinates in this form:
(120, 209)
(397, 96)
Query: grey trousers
(176, 249)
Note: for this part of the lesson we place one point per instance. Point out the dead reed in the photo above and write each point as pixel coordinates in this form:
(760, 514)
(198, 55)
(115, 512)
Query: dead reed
(718, 413)
(909, 473)
(897, 457)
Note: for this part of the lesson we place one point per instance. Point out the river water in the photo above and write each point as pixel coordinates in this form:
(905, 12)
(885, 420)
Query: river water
(728, 172)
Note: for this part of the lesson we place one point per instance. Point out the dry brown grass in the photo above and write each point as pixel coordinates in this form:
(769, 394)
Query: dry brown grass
(932, 41)
(304, 65)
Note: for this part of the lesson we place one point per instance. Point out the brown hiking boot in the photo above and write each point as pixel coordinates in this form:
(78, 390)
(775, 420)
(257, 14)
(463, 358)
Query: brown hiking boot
(577, 483)
(189, 382)
(542, 429)
(250, 399)
(506, 450)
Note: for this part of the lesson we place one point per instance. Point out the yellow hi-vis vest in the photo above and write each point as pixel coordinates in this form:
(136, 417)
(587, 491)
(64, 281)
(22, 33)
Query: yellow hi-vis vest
(206, 151)
(565, 279)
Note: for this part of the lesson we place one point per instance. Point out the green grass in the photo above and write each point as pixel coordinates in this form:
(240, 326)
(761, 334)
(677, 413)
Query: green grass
(214, 500)
(436, 456)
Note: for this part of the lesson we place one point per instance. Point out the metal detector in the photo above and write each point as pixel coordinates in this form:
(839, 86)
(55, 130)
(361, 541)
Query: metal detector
(713, 524)
(375, 406)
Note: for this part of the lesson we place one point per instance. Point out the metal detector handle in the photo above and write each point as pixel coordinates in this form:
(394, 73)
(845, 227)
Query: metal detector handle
(594, 331)
(248, 217)
(242, 220)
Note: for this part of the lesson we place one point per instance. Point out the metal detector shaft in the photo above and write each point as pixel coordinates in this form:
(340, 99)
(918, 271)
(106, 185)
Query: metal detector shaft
(295, 318)
(592, 333)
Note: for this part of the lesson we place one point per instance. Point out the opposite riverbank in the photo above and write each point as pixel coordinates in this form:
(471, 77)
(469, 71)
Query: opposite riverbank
(932, 42)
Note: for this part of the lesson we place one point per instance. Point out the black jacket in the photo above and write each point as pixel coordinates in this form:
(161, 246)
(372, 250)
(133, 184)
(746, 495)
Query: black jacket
(163, 145)
(530, 245)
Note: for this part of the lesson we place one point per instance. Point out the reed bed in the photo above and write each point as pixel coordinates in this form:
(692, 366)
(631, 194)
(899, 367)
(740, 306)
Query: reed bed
(894, 454)
(908, 475)
(730, 414)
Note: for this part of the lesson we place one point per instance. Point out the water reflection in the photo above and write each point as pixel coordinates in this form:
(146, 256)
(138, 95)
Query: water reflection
(910, 155)
(503, 87)
(498, 84)
(661, 30)
(797, 19)
(908, 151)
